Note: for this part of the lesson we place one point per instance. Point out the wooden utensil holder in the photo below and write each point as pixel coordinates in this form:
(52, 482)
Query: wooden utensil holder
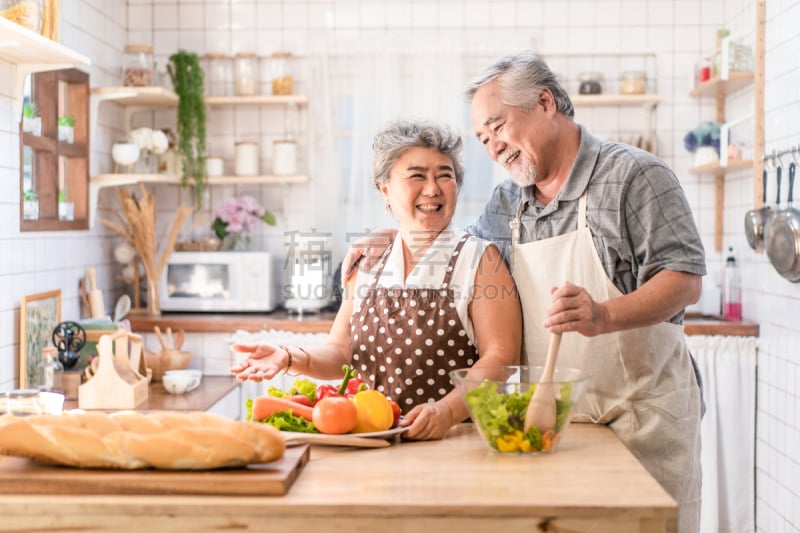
(115, 383)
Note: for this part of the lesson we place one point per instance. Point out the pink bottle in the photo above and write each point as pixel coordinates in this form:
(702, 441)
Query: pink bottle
(731, 289)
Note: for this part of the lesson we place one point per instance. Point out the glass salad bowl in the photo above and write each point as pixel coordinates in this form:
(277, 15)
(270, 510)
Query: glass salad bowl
(497, 399)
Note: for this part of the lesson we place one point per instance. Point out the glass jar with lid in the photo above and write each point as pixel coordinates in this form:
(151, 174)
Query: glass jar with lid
(633, 82)
(219, 74)
(137, 67)
(590, 83)
(246, 74)
(26, 13)
(21, 402)
(280, 73)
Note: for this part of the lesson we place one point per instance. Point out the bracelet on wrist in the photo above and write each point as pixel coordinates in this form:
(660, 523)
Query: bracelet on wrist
(289, 361)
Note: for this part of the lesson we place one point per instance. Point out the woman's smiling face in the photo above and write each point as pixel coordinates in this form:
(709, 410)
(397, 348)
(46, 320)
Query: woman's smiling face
(421, 190)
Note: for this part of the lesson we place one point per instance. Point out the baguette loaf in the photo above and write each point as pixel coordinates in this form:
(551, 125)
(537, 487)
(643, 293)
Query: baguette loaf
(129, 440)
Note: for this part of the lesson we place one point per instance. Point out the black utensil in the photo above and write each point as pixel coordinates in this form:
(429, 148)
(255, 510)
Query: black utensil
(69, 338)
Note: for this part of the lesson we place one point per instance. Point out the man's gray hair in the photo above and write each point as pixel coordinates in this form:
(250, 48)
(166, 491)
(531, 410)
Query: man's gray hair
(399, 136)
(521, 78)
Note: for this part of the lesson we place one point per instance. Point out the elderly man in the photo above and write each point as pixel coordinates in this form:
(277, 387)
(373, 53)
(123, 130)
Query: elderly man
(604, 250)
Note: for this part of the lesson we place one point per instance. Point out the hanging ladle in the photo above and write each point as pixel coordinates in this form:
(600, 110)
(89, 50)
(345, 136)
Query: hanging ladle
(542, 408)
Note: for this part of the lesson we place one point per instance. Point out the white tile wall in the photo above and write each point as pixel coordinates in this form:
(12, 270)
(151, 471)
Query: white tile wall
(679, 31)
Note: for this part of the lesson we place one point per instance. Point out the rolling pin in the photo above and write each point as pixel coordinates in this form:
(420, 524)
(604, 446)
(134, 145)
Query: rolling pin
(97, 308)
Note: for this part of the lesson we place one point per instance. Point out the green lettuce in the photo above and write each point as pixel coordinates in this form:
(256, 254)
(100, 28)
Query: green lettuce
(498, 414)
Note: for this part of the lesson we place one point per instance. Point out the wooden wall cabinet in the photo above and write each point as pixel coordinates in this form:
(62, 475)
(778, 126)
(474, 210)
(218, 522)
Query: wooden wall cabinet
(53, 170)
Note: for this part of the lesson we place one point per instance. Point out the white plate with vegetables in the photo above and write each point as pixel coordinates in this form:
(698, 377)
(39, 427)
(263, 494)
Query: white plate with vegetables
(328, 415)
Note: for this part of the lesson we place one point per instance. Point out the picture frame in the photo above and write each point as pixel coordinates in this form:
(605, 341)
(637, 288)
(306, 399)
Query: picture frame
(39, 314)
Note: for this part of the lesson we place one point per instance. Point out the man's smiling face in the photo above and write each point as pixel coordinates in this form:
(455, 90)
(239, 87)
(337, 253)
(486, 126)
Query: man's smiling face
(509, 133)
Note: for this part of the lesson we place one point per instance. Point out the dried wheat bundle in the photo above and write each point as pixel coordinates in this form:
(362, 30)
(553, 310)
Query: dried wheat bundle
(136, 223)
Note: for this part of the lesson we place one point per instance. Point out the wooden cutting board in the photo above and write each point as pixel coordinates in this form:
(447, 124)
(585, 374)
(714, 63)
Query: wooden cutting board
(23, 476)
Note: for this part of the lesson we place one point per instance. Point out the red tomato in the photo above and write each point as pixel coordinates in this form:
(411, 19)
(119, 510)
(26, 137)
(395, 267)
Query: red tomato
(334, 415)
(395, 412)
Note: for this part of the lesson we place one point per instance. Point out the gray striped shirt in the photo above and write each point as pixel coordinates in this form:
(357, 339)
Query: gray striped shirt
(637, 211)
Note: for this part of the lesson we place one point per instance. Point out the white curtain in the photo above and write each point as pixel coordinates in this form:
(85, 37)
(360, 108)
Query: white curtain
(728, 368)
(366, 87)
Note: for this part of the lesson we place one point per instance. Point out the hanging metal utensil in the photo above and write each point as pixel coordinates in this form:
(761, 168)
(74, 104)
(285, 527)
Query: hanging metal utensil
(756, 219)
(783, 237)
(773, 212)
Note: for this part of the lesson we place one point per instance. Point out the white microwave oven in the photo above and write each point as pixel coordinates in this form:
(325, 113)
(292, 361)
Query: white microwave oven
(218, 282)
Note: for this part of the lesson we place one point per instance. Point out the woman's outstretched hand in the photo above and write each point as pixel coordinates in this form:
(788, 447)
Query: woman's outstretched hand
(264, 361)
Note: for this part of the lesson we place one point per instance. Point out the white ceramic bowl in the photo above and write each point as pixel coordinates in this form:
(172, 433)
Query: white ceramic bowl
(125, 153)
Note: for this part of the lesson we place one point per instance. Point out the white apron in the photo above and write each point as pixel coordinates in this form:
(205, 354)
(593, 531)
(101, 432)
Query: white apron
(642, 381)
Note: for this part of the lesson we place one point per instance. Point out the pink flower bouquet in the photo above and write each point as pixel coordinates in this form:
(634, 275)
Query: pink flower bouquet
(237, 217)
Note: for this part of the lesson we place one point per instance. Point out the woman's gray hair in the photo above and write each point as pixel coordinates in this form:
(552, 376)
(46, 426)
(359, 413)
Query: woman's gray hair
(399, 136)
(521, 77)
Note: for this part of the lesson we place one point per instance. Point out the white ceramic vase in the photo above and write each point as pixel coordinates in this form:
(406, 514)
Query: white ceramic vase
(125, 154)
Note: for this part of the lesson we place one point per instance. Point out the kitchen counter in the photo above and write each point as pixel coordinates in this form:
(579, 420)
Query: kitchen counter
(230, 322)
(210, 391)
(322, 322)
(715, 325)
(592, 483)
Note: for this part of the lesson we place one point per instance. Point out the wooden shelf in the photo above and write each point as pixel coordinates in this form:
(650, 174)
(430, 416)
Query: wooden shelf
(610, 100)
(113, 180)
(101, 181)
(137, 96)
(156, 96)
(717, 87)
(136, 99)
(716, 168)
(261, 99)
(257, 180)
(31, 52)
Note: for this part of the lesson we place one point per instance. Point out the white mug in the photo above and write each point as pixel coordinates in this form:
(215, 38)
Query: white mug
(181, 381)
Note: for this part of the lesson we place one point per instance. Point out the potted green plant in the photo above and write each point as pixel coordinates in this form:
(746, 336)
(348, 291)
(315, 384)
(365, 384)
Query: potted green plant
(188, 81)
(66, 209)
(31, 121)
(30, 205)
(66, 129)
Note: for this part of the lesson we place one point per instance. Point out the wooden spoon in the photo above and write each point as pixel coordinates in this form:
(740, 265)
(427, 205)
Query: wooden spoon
(160, 338)
(542, 409)
(179, 339)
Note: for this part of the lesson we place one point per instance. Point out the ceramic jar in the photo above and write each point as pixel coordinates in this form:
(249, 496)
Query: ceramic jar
(246, 159)
(284, 162)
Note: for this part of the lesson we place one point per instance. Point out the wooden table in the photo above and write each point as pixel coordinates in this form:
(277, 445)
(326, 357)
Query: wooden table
(592, 483)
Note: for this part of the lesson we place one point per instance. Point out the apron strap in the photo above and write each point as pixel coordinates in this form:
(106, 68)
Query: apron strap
(381, 265)
(448, 274)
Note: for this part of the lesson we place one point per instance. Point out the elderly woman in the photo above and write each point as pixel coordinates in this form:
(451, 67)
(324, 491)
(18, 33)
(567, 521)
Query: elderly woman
(439, 299)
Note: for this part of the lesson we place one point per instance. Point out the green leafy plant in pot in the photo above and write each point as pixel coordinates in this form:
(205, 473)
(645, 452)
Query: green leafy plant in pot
(188, 81)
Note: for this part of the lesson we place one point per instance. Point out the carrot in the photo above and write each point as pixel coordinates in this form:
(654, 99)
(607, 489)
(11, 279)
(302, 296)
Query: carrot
(266, 406)
(299, 398)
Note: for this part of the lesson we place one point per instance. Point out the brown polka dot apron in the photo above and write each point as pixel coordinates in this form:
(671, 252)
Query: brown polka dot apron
(405, 341)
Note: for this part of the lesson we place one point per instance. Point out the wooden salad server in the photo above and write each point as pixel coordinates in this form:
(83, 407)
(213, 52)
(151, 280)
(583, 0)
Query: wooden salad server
(542, 408)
